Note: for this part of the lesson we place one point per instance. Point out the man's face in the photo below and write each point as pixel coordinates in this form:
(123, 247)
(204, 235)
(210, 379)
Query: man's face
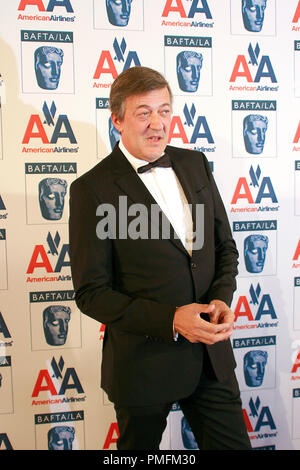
(52, 201)
(255, 256)
(146, 124)
(188, 73)
(56, 327)
(118, 11)
(48, 69)
(254, 136)
(253, 14)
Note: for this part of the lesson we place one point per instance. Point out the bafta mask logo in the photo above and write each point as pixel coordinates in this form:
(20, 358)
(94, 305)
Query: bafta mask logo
(189, 66)
(47, 64)
(52, 192)
(254, 130)
(56, 324)
(253, 12)
(255, 249)
(118, 12)
(61, 438)
(254, 367)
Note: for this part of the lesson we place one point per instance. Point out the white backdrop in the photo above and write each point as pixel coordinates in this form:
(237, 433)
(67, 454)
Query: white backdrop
(54, 134)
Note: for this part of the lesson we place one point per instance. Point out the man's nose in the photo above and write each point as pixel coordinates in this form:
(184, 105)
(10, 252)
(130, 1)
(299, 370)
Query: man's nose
(156, 121)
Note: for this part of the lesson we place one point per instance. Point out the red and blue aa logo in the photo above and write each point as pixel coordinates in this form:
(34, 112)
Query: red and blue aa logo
(254, 67)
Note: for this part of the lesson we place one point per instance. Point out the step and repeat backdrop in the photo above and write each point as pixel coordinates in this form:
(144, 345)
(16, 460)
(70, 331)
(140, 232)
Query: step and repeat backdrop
(234, 67)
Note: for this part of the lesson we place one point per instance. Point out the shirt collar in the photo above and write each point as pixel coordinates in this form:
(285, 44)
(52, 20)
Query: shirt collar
(135, 162)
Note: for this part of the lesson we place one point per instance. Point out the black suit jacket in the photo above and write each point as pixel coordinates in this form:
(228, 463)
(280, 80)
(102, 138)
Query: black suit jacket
(134, 286)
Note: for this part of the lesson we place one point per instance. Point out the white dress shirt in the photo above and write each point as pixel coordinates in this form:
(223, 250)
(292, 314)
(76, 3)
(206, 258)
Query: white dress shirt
(167, 191)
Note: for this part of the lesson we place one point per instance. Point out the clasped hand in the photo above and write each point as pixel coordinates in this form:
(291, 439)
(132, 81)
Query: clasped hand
(188, 322)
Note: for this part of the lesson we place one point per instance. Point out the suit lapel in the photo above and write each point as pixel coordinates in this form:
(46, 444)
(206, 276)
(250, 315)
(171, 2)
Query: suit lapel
(131, 185)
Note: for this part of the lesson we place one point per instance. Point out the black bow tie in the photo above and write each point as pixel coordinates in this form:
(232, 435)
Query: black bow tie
(163, 161)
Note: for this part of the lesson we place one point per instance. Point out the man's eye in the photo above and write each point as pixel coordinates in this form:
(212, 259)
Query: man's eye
(143, 115)
(188, 68)
(47, 65)
(51, 196)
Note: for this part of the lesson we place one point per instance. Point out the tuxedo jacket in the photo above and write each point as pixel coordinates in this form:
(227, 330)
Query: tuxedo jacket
(133, 286)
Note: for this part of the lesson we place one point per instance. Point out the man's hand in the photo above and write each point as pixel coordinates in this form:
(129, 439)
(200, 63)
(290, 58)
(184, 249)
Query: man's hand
(188, 323)
(221, 314)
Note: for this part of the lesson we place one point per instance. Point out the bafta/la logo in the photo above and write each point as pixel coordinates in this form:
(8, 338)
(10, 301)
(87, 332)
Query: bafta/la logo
(108, 65)
(260, 416)
(259, 305)
(58, 381)
(191, 9)
(254, 191)
(56, 251)
(192, 129)
(259, 67)
(40, 4)
(57, 128)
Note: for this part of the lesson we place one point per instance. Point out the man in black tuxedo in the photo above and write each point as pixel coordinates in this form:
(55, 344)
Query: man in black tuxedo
(163, 296)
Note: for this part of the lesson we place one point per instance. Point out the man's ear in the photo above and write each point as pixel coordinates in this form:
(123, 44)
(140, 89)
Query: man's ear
(116, 122)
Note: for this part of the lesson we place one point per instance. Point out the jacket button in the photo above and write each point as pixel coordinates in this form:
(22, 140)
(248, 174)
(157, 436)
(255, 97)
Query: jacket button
(193, 265)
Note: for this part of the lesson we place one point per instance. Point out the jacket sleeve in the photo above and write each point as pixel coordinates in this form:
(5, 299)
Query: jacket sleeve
(93, 266)
(226, 254)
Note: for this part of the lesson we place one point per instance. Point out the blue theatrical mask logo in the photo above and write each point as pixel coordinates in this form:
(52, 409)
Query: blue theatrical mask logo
(47, 63)
(253, 12)
(255, 250)
(254, 131)
(61, 438)
(56, 324)
(118, 12)
(52, 192)
(254, 367)
(188, 67)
